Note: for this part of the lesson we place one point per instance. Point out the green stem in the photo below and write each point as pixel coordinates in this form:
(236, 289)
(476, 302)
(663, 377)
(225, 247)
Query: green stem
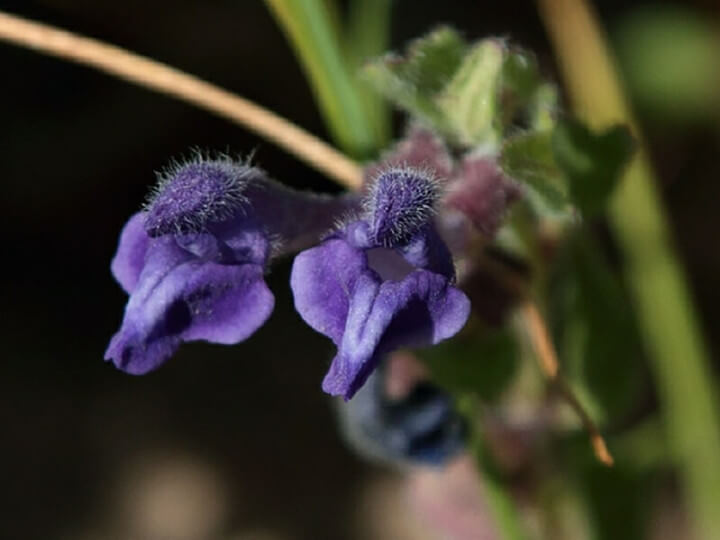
(500, 503)
(503, 510)
(659, 287)
(368, 33)
(309, 27)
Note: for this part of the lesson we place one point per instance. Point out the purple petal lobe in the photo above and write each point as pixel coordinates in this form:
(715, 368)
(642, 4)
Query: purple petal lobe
(420, 310)
(181, 298)
(130, 257)
(426, 250)
(192, 195)
(226, 303)
(321, 280)
(400, 202)
(150, 330)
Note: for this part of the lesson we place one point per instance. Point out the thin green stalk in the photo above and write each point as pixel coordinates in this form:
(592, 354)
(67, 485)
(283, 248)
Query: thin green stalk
(309, 27)
(500, 503)
(368, 36)
(503, 510)
(660, 291)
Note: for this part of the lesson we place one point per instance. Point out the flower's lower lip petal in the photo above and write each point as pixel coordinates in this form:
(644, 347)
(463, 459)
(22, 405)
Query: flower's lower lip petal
(179, 298)
(346, 376)
(132, 353)
(427, 310)
(450, 313)
(149, 332)
(367, 318)
(322, 281)
(422, 309)
(130, 257)
(226, 303)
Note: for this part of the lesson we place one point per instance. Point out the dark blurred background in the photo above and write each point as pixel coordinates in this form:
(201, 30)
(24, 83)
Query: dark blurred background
(229, 442)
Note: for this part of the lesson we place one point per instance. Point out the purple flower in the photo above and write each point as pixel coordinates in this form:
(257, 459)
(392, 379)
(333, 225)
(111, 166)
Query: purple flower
(381, 282)
(193, 260)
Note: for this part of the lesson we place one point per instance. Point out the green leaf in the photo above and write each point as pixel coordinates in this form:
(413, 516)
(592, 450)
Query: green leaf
(567, 165)
(412, 82)
(592, 162)
(529, 159)
(366, 36)
(617, 499)
(598, 339)
(520, 80)
(471, 94)
(308, 25)
(470, 99)
(543, 107)
(482, 362)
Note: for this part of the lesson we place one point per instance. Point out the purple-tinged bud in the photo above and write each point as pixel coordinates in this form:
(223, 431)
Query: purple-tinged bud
(401, 201)
(482, 193)
(420, 148)
(191, 196)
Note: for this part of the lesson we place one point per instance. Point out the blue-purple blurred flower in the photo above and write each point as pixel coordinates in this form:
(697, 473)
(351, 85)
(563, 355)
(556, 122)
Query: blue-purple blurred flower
(381, 282)
(421, 427)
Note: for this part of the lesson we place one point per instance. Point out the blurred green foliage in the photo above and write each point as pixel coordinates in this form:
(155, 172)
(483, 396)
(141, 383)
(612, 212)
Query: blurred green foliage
(670, 59)
(480, 361)
(591, 162)
(596, 332)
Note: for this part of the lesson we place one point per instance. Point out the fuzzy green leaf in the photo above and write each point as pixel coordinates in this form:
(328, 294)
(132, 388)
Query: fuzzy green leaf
(412, 81)
(470, 99)
(529, 159)
(543, 107)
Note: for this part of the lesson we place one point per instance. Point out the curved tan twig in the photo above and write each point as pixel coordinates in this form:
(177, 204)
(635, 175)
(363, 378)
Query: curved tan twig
(547, 358)
(170, 81)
